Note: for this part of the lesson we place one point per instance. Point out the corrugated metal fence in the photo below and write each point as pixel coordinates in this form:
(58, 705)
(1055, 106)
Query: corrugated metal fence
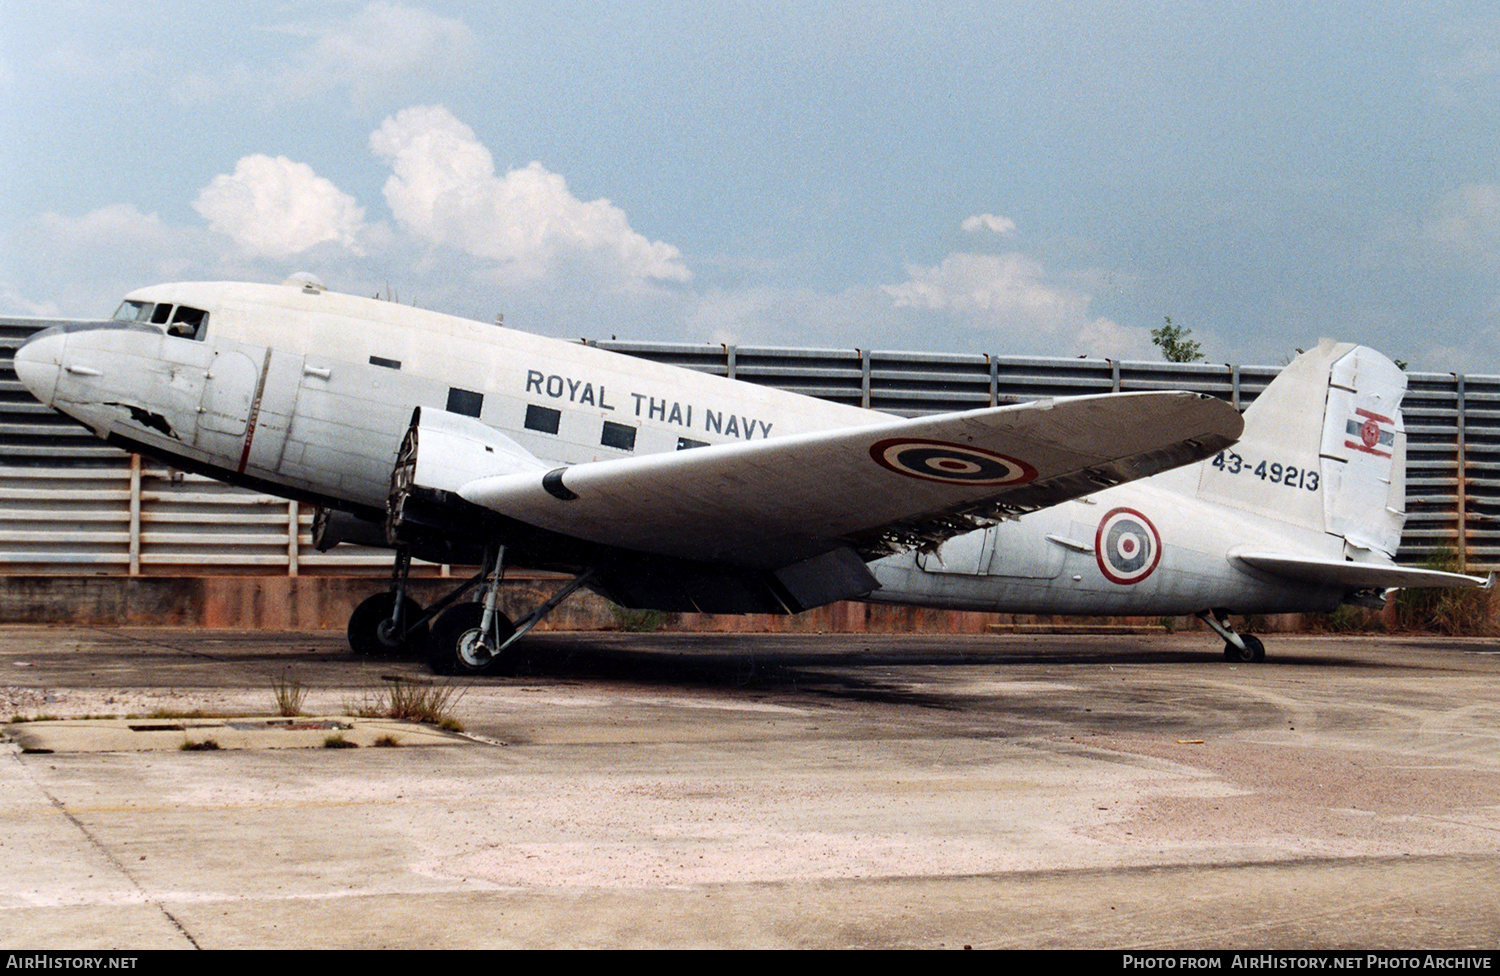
(68, 504)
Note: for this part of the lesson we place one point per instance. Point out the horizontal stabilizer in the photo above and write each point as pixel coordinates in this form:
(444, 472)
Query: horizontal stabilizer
(1365, 576)
(876, 489)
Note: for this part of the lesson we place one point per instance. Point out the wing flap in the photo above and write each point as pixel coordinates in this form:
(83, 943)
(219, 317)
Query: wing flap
(877, 488)
(1356, 574)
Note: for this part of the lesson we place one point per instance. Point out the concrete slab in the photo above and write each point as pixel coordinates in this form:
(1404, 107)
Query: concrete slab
(231, 732)
(670, 790)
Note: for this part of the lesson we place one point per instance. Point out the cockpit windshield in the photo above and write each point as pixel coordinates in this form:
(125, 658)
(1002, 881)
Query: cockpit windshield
(134, 312)
(181, 321)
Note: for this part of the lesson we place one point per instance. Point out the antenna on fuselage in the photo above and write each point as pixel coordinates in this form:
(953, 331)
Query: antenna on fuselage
(308, 282)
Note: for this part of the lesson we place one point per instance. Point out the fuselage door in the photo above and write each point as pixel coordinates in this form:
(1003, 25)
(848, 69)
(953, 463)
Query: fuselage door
(228, 398)
(1023, 550)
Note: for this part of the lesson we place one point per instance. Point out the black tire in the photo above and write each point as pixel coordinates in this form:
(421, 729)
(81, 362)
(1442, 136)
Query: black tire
(1257, 649)
(455, 631)
(369, 628)
(1254, 651)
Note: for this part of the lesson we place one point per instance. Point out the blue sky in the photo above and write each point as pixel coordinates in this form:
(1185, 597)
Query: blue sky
(1015, 178)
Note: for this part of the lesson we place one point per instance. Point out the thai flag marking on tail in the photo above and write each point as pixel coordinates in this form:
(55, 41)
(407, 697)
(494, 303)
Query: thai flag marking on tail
(1372, 437)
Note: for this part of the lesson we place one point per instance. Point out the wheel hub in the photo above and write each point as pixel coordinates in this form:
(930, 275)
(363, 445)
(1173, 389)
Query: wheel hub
(472, 650)
(387, 633)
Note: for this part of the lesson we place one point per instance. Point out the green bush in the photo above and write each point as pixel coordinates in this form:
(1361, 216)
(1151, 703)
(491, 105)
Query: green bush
(639, 621)
(1454, 612)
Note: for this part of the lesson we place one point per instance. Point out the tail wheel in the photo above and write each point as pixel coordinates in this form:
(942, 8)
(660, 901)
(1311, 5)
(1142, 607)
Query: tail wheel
(371, 634)
(458, 646)
(1254, 651)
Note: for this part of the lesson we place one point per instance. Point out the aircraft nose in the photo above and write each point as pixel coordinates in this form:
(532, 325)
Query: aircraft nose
(37, 362)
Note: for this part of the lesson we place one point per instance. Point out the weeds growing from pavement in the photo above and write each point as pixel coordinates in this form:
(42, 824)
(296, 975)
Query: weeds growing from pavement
(414, 701)
(289, 693)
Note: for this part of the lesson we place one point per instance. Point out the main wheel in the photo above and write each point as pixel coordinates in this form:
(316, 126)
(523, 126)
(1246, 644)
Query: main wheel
(1254, 651)
(1257, 649)
(371, 633)
(457, 646)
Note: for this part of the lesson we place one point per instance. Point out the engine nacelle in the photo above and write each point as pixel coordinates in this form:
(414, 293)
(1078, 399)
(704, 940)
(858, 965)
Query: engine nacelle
(331, 527)
(440, 453)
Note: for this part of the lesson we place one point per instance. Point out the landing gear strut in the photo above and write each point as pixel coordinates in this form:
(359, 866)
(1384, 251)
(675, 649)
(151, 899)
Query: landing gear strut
(475, 638)
(1245, 648)
(389, 624)
(392, 623)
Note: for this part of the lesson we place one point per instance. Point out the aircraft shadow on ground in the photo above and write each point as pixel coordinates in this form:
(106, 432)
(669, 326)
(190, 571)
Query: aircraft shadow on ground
(698, 662)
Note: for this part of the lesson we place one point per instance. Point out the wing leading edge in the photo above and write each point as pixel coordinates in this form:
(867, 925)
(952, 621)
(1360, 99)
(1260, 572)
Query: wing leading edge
(876, 489)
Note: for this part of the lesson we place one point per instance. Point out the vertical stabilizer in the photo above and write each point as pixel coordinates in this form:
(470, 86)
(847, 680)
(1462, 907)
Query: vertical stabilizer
(1324, 449)
(1276, 468)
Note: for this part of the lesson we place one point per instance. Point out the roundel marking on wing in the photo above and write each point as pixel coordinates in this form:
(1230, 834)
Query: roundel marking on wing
(1126, 546)
(955, 464)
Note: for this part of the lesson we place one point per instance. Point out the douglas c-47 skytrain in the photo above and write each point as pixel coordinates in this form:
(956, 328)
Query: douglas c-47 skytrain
(664, 488)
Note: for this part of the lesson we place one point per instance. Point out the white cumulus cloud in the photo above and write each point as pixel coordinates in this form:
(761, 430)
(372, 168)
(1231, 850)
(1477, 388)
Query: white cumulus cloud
(993, 223)
(81, 265)
(380, 48)
(378, 51)
(444, 189)
(1011, 296)
(273, 207)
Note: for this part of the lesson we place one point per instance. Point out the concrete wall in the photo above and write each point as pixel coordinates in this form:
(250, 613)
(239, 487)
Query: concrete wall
(325, 602)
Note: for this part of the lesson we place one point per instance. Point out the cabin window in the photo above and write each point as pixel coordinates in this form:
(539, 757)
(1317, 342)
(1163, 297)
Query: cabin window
(621, 436)
(465, 402)
(387, 363)
(544, 419)
(687, 443)
(134, 312)
(188, 323)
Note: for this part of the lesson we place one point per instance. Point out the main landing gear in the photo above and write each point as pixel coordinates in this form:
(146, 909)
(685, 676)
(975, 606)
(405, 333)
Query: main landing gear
(389, 624)
(1245, 648)
(466, 638)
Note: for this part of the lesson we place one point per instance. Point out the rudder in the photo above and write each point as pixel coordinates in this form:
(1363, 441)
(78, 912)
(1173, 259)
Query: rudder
(1324, 449)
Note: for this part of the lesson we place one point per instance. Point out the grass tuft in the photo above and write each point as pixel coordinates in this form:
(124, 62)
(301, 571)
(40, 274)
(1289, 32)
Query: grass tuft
(202, 745)
(289, 693)
(413, 701)
(387, 742)
(337, 741)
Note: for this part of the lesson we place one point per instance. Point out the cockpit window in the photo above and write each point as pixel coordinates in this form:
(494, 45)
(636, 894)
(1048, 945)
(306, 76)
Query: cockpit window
(188, 323)
(160, 314)
(134, 312)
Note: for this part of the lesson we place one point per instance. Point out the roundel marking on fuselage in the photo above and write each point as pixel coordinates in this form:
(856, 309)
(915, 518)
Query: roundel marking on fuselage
(1126, 546)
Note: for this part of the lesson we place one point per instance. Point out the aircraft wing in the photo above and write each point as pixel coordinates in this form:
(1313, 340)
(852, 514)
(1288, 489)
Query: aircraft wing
(876, 489)
(1368, 576)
